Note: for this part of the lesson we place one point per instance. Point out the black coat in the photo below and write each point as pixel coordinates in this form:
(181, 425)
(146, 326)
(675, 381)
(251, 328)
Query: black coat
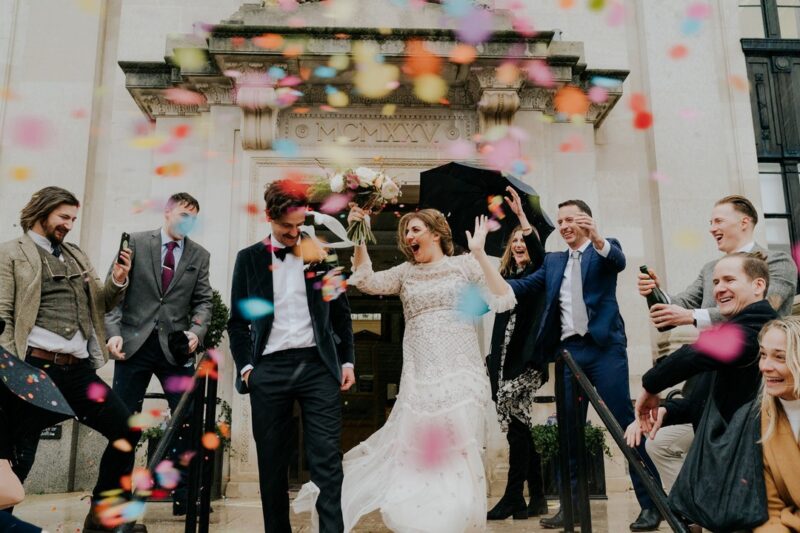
(737, 381)
(520, 352)
(252, 278)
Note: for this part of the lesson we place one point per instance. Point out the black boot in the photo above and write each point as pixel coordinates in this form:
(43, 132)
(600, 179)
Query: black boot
(507, 507)
(648, 520)
(538, 503)
(557, 521)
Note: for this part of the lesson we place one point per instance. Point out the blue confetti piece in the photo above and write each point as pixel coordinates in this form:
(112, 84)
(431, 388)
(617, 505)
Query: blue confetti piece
(325, 72)
(606, 83)
(330, 89)
(691, 26)
(399, 3)
(276, 73)
(254, 308)
(457, 8)
(286, 147)
(471, 304)
(133, 511)
(519, 168)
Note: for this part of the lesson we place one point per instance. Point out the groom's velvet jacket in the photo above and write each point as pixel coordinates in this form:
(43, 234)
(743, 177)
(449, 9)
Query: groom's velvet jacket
(331, 322)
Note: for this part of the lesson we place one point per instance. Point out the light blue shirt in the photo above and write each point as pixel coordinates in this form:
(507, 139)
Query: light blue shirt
(177, 252)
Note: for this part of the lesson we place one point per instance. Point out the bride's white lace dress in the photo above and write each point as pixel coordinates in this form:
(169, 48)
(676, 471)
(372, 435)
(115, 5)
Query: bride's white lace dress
(423, 468)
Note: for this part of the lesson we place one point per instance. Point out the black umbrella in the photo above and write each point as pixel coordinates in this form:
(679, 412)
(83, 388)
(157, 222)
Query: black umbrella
(461, 192)
(32, 386)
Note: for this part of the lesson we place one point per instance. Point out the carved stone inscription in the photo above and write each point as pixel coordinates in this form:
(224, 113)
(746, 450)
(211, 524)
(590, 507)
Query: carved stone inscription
(373, 129)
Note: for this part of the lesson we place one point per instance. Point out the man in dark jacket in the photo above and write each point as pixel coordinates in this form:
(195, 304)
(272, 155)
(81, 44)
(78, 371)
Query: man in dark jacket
(741, 281)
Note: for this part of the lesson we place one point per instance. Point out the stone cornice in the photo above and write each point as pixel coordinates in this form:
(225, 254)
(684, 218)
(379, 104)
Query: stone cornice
(230, 48)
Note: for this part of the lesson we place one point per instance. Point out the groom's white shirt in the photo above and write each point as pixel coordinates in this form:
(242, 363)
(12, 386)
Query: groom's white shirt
(291, 325)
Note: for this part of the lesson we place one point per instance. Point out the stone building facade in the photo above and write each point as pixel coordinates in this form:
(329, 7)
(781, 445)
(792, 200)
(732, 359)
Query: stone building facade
(93, 70)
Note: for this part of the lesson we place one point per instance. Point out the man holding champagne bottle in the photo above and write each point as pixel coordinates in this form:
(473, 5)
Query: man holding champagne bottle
(733, 221)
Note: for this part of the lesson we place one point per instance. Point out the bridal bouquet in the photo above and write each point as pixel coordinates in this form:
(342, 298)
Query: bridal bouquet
(371, 190)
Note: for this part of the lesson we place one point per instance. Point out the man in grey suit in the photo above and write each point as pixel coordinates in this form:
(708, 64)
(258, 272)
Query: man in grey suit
(733, 221)
(169, 292)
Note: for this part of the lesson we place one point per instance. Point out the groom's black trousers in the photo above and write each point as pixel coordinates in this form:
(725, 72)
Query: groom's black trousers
(275, 383)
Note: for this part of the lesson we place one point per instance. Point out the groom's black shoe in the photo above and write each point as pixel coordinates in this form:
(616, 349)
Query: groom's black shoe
(557, 521)
(506, 507)
(538, 506)
(648, 520)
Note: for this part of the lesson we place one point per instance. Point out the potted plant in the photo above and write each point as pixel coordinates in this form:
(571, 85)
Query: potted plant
(545, 441)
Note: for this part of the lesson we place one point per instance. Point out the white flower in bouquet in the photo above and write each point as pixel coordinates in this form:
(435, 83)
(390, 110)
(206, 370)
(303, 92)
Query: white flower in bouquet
(366, 175)
(337, 183)
(389, 189)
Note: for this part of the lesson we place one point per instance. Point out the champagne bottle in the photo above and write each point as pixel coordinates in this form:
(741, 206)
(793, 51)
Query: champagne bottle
(656, 296)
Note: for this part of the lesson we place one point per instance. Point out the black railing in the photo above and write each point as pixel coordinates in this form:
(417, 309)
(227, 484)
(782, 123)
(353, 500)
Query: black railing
(199, 403)
(582, 389)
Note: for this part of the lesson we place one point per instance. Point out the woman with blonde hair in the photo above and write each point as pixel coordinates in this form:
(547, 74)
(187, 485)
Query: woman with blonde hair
(516, 376)
(423, 469)
(780, 423)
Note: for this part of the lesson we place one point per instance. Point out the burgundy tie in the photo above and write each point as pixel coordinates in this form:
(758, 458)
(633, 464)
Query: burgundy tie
(168, 270)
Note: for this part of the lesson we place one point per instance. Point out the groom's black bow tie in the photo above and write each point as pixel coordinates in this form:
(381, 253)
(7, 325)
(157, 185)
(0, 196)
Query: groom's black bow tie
(281, 253)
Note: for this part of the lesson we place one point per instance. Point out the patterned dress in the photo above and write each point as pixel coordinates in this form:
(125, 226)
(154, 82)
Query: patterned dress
(423, 469)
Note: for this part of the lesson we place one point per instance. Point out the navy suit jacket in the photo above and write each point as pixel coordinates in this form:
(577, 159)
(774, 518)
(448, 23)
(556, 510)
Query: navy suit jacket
(599, 276)
(252, 278)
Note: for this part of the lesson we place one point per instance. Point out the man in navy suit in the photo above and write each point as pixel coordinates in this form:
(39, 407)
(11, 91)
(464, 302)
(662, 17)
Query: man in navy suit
(582, 316)
(302, 351)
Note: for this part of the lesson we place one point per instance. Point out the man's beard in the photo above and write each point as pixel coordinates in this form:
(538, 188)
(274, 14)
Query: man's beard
(52, 236)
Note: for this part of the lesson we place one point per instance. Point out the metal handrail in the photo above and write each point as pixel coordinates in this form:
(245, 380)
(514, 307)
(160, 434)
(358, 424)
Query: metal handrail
(581, 383)
(201, 398)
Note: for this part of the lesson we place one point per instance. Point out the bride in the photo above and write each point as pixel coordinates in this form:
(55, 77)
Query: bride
(423, 468)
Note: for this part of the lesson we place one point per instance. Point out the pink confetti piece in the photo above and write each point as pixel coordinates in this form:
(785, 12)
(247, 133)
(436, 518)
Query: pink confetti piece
(659, 176)
(597, 95)
(796, 254)
(724, 342)
(178, 384)
(96, 392)
(475, 27)
(616, 14)
(433, 442)
(689, 114)
(698, 10)
(334, 203)
(31, 132)
(461, 149)
(184, 97)
(539, 73)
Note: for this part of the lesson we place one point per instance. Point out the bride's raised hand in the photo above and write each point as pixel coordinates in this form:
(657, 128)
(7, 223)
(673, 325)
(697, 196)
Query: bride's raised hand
(477, 239)
(356, 213)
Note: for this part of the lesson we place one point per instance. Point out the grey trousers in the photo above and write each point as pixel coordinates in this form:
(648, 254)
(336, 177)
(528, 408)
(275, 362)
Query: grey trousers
(668, 451)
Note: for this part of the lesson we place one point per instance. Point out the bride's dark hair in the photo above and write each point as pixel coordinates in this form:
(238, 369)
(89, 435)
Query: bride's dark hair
(435, 222)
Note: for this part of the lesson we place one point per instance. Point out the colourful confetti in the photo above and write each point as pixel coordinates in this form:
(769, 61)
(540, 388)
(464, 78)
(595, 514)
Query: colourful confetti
(571, 100)
(254, 308)
(97, 392)
(286, 147)
(31, 132)
(178, 384)
(463, 54)
(210, 441)
(475, 27)
(20, 173)
(184, 97)
(723, 342)
(122, 445)
(471, 304)
(678, 51)
(539, 73)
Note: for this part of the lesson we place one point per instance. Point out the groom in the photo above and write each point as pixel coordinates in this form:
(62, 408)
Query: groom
(302, 351)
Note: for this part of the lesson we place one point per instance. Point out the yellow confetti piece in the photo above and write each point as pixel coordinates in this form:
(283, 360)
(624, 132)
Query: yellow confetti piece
(389, 109)
(338, 99)
(20, 173)
(687, 239)
(148, 142)
(191, 59)
(339, 154)
(122, 445)
(342, 11)
(377, 80)
(430, 88)
(339, 61)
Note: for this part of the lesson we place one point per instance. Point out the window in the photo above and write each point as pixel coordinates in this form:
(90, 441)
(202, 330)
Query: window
(778, 219)
(789, 18)
(751, 19)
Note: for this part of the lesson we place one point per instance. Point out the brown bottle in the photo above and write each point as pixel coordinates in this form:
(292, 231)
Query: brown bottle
(656, 296)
